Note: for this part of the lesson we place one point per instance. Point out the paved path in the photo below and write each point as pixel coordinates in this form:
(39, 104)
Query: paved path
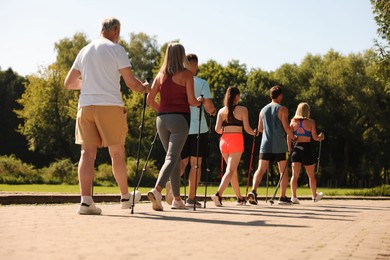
(329, 229)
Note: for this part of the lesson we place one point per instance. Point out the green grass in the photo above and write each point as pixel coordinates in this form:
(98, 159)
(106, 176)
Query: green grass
(74, 189)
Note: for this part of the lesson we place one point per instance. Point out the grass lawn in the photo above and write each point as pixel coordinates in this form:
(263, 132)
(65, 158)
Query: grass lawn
(74, 189)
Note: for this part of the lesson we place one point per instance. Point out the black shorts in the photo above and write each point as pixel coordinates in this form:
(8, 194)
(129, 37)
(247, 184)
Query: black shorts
(275, 157)
(189, 148)
(302, 153)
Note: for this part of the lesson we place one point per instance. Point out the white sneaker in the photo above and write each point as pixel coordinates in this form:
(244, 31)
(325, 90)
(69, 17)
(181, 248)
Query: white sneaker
(178, 204)
(155, 197)
(127, 203)
(217, 200)
(295, 200)
(318, 197)
(169, 195)
(85, 209)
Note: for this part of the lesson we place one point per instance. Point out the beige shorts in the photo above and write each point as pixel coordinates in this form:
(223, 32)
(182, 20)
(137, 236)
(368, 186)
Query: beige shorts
(101, 125)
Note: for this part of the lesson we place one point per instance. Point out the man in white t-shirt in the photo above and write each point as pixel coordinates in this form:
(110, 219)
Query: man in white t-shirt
(189, 152)
(101, 118)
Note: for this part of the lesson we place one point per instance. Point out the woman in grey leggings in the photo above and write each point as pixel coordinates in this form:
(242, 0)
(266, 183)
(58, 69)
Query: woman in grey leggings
(176, 87)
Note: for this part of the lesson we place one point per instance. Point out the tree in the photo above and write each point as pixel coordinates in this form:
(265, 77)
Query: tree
(381, 10)
(67, 50)
(47, 123)
(143, 50)
(11, 89)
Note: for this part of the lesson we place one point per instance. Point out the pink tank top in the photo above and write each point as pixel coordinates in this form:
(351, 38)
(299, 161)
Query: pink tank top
(173, 97)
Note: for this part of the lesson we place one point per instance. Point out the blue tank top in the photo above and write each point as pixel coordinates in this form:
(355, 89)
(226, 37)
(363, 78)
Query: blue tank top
(273, 137)
(305, 132)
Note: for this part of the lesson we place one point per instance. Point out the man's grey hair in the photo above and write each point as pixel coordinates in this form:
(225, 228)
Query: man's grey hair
(109, 23)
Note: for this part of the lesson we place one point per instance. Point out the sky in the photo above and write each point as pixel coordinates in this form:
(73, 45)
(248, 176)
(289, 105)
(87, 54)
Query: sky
(262, 34)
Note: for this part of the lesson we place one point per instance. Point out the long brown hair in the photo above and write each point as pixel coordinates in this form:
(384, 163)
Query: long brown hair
(228, 102)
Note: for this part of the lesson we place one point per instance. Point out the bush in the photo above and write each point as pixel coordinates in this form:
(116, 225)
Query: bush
(14, 171)
(61, 171)
(383, 190)
(149, 176)
(104, 176)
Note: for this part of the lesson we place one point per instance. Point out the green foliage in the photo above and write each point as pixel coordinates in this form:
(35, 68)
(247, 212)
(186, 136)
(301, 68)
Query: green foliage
(67, 50)
(60, 172)
(104, 176)
(383, 190)
(144, 54)
(381, 10)
(14, 171)
(46, 122)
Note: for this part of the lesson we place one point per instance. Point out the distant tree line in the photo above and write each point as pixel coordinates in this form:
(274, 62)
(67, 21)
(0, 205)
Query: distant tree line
(348, 95)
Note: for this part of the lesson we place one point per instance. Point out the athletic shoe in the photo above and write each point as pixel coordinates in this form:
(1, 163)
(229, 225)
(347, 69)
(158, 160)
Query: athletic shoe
(127, 203)
(252, 197)
(85, 209)
(284, 201)
(318, 197)
(241, 202)
(217, 200)
(190, 203)
(295, 200)
(178, 204)
(169, 195)
(155, 197)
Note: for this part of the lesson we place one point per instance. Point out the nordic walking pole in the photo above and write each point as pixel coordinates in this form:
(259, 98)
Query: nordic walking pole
(318, 159)
(147, 160)
(280, 180)
(141, 127)
(250, 164)
(197, 151)
(208, 166)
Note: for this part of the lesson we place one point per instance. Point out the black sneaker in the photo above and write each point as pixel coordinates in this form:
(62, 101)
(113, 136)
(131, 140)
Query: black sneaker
(241, 202)
(217, 199)
(284, 201)
(252, 197)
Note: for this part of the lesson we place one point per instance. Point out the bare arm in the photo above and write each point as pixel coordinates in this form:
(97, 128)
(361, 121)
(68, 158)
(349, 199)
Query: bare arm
(131, 81)
(316, 137)
(245, 120)
(289, 143)
(72, 80)
(260, 124)
(151, 99)
(218, 124)
(283, 116)
(209, 106)
(189, 83)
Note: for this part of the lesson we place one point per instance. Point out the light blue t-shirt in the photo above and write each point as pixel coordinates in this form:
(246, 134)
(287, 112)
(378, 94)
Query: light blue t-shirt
(201, 87)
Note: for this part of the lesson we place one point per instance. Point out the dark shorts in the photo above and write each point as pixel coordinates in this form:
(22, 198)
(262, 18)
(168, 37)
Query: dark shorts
(302, 153)
(275, 157)
(189, 148)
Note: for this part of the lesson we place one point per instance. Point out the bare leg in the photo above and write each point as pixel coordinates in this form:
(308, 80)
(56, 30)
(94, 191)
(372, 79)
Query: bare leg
(183, 165)
(263, 165)
(296, 169)
(282, 165)
(86, 169)
(312, 179)
(235, 184)
(232, 161)
(118, 160)
(192, 183)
